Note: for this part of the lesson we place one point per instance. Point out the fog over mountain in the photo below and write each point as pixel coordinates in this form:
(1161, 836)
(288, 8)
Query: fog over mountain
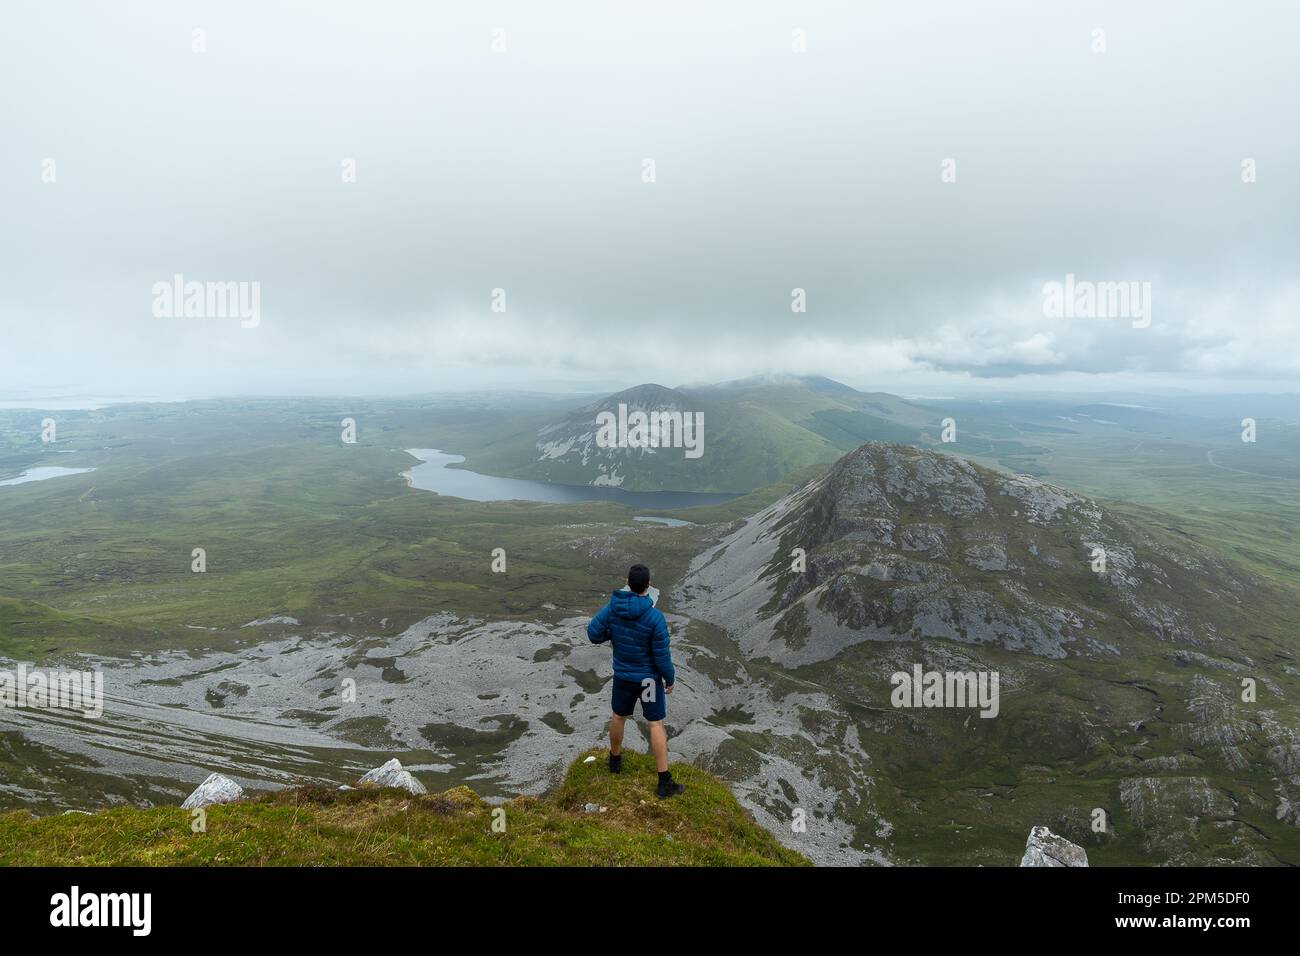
(522, 168)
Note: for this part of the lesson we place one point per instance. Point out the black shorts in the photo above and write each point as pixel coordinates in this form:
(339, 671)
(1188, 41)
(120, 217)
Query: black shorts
(627, 692)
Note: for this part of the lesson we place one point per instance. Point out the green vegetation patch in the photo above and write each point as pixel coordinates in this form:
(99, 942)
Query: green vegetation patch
(318, 826)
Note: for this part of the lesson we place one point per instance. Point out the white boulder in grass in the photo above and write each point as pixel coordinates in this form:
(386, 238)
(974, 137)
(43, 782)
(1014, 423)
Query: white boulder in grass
(391, 774)
(1045, 848)
(216, 789)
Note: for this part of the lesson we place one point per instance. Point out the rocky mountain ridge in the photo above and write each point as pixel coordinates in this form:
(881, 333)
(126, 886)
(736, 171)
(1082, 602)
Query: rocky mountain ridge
(895, 543)
(1145, 682)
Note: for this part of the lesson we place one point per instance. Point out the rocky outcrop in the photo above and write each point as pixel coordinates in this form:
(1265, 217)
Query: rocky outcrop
(896, 543)
(392, 774)
(1045, 848)
(217, 788)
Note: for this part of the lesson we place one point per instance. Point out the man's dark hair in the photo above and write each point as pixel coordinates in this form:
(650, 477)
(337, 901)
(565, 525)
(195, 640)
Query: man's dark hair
(638, 578)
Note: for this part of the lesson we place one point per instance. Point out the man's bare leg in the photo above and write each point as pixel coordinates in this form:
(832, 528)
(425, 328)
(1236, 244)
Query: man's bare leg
(668, 787)
(616, 735)
(658, 744)
(616, 743)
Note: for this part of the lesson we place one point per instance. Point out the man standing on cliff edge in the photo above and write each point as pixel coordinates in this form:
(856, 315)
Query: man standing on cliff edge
(643, 669)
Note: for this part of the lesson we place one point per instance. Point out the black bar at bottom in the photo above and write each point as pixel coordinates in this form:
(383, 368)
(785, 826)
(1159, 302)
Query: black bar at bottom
(338, 906)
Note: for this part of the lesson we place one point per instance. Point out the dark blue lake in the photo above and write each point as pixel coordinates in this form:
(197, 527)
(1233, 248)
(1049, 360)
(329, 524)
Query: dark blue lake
(432, 474)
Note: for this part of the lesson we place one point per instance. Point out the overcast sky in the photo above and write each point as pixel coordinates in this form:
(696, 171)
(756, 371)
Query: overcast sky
(523, 170)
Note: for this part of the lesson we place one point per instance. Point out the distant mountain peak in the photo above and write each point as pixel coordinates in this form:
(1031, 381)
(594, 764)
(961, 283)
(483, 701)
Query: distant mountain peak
(646, 396)
(758, 431)
(908, 544)
(820, 383)
(816, 383)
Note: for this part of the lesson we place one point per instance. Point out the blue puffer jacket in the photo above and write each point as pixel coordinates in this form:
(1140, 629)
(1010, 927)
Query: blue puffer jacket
(640, 636)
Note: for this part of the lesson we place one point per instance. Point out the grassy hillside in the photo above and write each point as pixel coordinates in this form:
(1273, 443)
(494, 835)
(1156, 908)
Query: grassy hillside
(292, 523)
(756, 432)
(317, 826)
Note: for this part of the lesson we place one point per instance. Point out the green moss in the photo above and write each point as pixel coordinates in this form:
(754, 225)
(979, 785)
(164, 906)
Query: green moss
(468, 741)
(555, 720)
(366, 732)
(319, 826)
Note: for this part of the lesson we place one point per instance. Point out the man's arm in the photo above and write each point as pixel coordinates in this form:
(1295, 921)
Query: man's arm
(662, 653)
(598, 626)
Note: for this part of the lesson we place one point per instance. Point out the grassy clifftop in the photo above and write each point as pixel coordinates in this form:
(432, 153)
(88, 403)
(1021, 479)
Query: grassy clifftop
(315, 826)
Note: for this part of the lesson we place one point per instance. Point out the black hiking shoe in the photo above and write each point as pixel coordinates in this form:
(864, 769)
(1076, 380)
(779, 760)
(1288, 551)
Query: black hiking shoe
(615, 763)
(670, 788)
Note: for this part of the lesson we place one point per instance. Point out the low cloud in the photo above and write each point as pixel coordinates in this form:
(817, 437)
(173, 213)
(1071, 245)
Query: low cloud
(775, 171)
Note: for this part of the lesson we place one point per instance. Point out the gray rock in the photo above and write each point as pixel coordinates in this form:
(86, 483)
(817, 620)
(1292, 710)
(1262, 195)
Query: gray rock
(391, 774)
(1045, 848)
(987, 556)
(216, 789)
